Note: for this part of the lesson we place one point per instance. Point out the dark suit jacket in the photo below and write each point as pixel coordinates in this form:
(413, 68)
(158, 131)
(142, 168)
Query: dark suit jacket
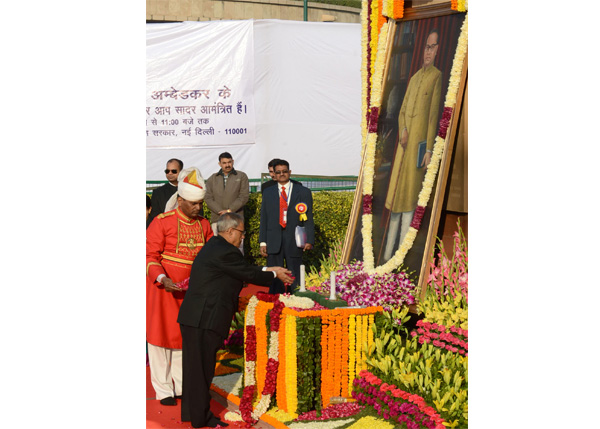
(159, 199)
(217, 277)
(272, 233)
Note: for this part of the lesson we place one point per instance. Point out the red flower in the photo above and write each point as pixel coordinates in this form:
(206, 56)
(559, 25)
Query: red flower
(372, 119)
(418, 217)
(445, 122)
(250, 343)
(367, 204)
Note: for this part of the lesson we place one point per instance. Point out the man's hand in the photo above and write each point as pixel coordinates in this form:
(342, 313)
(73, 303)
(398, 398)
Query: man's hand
(426, 159)
(283, 274)
(263, 252)
(169, 285)
(404, 138)
(308, 246)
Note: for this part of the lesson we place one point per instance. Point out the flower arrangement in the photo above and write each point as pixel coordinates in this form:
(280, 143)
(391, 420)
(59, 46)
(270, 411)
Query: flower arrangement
(336, 411)
(442, 337)
(432, 361)
(447, 297)
(335, 351)
(395, 404)
(450, 275)
(356, 287)
(327, 264)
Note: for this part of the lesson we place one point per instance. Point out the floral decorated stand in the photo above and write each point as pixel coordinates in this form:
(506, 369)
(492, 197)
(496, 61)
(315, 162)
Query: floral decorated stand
(306, 353)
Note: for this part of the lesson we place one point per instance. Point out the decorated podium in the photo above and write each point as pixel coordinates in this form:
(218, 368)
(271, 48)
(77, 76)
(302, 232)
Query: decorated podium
(304, 352)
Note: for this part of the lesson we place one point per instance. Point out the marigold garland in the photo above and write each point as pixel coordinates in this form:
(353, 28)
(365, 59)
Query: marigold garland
(351, 350)
(393, 8)
(358, 351)
(344, 342)
(333, 374)
(261, 343)
(291, 370)
(365, 338)
(283, 357)
(254, 311)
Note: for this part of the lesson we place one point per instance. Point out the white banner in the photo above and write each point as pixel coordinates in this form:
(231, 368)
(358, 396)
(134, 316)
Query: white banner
(200, 84)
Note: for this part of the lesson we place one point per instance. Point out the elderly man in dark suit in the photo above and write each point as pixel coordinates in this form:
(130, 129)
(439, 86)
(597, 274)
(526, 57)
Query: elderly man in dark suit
(284, 207)
(217, 277)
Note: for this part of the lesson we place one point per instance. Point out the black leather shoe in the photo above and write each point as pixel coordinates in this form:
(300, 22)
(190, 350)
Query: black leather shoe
(168, 401)
(214, 422)
(178, 396)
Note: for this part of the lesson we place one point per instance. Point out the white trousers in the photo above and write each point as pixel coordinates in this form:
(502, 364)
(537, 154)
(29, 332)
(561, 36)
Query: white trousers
(393, 232)
(165, 369)
(214, 228)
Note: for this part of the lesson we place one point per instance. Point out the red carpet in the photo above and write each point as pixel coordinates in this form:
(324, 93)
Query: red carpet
(169, 417)
(253, 290)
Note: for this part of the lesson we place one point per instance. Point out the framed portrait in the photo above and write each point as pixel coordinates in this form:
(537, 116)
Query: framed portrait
(420, 55)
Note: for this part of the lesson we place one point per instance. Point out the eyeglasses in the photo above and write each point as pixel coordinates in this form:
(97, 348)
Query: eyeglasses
(241, 232)
(172, 171)
(282, 172)
(430, 47)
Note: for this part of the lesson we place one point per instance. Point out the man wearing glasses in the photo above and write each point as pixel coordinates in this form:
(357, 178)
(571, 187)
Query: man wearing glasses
(216, 280)
(271, 182)
(173, 240)
(283, 208)
(417, 126)
(161, 195)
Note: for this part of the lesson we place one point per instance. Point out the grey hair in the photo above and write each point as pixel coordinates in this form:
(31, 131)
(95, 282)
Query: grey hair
(228, 220)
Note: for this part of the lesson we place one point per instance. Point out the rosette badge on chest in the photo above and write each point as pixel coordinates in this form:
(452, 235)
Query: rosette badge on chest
(301, 209)
(300, 232)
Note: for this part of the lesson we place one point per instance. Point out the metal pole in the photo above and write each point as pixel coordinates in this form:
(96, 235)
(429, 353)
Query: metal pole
(306, 10)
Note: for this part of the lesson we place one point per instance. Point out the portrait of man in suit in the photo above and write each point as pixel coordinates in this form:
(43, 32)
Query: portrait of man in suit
(285, 207)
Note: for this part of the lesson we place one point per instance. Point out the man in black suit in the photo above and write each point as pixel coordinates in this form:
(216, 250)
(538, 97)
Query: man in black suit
(284, 207)
(217, 277)
(161, 195)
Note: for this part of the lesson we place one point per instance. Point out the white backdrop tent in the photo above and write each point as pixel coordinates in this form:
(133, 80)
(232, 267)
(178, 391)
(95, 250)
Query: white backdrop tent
(259, 89)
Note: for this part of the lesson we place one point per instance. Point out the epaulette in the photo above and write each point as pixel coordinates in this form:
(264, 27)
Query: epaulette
(164, 215)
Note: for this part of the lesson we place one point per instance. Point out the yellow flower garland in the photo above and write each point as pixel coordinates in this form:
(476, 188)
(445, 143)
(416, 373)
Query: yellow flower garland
(365, 338)
(351, 350)
(358, 363)
(281, 390)
(364, 71)
(291, 369)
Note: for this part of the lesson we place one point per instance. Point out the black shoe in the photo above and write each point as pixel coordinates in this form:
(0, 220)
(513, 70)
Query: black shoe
(168, 401)
(178, 396)
(214, 422)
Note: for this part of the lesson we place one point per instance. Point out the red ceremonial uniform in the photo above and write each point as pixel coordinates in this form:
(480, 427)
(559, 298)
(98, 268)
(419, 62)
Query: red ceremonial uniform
(172, 242)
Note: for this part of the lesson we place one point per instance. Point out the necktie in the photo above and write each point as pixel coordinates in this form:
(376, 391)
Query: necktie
(283, 205)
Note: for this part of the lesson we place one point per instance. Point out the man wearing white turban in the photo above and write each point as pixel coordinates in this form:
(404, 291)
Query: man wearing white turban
(173, 240)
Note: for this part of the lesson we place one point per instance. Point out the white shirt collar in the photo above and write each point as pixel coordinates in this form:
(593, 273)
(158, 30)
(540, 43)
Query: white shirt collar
(288, 187)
